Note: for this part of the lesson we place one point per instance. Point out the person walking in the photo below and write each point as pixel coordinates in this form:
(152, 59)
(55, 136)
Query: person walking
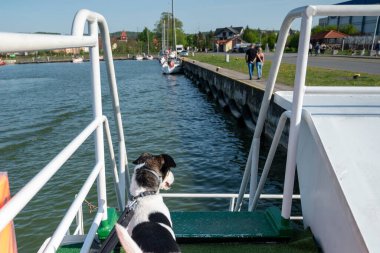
(259, 62)
(250, 58)
(317, 49)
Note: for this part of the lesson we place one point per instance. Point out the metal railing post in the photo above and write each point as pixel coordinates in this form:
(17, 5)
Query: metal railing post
(253, 157)
(79, 230)
(124, 176)
(295, 121)
(268, 162)
(116, 177)
(79, 220)
(254, 168)
(244, 182)
(232, 204)
(80, 20)
(97, 111)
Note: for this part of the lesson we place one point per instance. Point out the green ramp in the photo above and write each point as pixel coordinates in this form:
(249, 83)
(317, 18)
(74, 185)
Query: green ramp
(231, 226)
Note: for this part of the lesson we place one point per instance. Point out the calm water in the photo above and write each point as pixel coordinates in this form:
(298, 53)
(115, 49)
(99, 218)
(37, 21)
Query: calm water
(44, 106)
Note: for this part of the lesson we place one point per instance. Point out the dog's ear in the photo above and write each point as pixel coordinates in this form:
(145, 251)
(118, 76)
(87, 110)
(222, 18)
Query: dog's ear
(168, 161)
(142, 158)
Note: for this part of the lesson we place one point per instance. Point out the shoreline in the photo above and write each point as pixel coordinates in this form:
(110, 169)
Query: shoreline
(38, 61)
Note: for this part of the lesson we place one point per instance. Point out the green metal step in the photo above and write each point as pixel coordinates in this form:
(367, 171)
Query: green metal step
(244, 228)
(232, 226)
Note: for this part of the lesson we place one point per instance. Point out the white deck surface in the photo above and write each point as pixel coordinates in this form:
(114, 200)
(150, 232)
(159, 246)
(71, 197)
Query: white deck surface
(348, 126)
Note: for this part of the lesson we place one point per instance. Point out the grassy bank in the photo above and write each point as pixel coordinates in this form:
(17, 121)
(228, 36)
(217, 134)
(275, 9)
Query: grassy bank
(315, 76)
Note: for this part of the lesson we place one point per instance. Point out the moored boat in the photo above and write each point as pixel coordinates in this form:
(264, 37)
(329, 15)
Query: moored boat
(77, 60)
(138, 57)
(149, 57)
(172, 66)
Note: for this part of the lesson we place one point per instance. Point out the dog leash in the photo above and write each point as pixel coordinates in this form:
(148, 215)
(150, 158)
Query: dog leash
(112, 240)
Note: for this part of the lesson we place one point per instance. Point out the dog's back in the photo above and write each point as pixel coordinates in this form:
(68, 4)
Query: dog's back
(154, 235)
(151, 226)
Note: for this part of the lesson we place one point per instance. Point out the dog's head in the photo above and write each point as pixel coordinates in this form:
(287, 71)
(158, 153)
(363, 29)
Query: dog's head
(153, 171)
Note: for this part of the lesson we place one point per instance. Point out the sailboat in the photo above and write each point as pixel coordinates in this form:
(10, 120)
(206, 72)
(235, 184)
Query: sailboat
(148, 56)
(173, 65)
(164, 51)
(138, 56)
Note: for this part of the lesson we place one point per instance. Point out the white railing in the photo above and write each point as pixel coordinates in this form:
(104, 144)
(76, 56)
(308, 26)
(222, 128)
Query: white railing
(231, 196)
(27, 42)
(22, 198)
(306, 14)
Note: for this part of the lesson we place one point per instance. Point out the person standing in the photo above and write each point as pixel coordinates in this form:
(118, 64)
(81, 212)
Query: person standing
(259, 62)
(310, 48)
(250, 58)
(323, 48)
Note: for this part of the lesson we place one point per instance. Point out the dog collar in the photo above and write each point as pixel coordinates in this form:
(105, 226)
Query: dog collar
(144, 194)
(147, 193)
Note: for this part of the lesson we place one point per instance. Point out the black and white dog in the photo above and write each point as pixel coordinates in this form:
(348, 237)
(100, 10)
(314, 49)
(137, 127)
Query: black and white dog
(150, 229)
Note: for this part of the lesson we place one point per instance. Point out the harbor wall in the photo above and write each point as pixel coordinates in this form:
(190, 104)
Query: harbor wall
(237, 95)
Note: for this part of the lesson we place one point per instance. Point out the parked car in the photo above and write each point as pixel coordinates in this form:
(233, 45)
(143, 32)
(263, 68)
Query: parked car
(243, 49)
(184, 53)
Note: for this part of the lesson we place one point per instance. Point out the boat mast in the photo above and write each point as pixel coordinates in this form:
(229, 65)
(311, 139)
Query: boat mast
(167, 33)
(147, 34)
(163, 37)
(173, 22)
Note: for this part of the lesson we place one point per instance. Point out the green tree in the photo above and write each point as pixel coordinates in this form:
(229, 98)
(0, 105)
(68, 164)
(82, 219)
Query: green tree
(200, 40)
(348, 29)
(210, 39)
(143, 36)
(146, 38)
(181, 37)
(250, 35)
(167, 17)
(269, 38)
(121, 48)
(293, 40)
(189, 40)
(319, 29)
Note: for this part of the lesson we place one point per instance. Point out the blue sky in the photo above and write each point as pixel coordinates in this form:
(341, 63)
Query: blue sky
(134, 15)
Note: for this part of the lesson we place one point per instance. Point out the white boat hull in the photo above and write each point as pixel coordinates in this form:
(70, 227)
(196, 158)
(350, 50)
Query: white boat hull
(77, 60)
(169, 70)
(149, 57)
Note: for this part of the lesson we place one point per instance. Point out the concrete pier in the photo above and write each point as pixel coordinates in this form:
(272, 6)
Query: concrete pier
(235, 93)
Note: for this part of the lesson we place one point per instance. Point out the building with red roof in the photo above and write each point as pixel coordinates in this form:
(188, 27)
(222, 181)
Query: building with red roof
(329, 37)
(123, 36)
